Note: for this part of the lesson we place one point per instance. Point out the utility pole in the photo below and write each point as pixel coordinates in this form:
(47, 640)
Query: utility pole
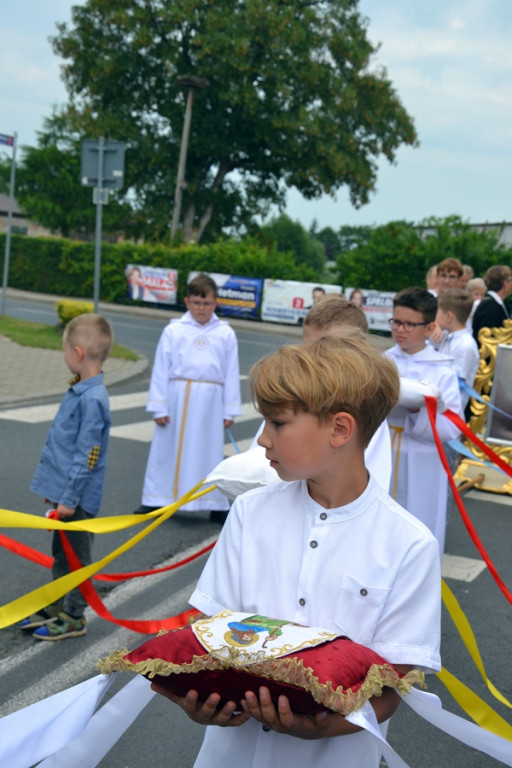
(189, 83)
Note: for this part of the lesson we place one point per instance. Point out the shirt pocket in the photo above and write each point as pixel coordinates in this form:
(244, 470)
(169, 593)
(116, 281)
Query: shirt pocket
(359, 608)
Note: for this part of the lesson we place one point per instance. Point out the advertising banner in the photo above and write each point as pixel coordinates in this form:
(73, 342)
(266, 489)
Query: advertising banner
(158, 285)
(288, 301)
(237, 296)
(377, 306)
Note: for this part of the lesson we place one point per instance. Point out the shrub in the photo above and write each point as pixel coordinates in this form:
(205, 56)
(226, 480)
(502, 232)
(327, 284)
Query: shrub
(67, 309)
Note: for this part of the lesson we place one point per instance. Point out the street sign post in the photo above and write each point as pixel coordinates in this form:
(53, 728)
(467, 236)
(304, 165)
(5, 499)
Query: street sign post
(102, 168)
(9, 141)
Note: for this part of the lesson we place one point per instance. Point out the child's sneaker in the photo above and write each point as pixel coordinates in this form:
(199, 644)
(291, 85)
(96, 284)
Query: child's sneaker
(41, 618)
(60, 628)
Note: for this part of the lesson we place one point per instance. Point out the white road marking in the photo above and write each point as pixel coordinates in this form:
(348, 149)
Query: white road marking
(37, 414)
(143, 430)
(461, 568)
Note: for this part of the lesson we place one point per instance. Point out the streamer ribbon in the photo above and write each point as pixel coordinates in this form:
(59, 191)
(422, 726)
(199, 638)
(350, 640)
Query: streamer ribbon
(39, 598)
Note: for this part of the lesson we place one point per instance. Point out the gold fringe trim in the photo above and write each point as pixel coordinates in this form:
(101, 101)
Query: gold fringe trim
(284, 670)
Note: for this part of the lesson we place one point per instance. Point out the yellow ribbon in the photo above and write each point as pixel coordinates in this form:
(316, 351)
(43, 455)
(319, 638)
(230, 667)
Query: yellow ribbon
(396, 438)
(18, 609)
(10, 519)
(468, 638)
(482, 714)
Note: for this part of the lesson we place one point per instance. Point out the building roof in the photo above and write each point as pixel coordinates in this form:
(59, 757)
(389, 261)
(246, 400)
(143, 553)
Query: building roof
(4, 206)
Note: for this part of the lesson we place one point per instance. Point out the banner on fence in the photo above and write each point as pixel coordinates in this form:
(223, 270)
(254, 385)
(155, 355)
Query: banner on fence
(288, 301)
(158, 285)
(377, 306)
(237, 296)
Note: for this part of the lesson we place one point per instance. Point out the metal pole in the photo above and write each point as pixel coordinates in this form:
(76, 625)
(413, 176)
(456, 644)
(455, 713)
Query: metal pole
(99, 212)
(180, 181)
(9, 223)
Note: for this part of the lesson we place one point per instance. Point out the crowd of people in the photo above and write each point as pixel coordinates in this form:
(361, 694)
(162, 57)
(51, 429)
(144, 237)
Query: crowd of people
(350, 537)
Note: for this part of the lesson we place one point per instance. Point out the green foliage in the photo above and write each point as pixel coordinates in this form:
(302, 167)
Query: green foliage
(345, 239)
(291, 102)
(66, 267)
(29, 334)
(399, 254)
(48, 188)
(454, 238)
(68, 309)
(290, 237)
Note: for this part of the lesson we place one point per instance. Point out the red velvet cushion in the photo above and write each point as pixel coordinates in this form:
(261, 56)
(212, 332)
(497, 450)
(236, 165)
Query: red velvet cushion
(338, 674)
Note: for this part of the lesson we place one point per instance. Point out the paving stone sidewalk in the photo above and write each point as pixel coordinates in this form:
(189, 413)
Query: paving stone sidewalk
(28, 373)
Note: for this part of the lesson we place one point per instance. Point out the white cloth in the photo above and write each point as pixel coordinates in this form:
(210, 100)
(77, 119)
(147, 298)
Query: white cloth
(419, 482)
(196, 382)
(372, 575)
(463, 349)
(469, 321)
(377, 456)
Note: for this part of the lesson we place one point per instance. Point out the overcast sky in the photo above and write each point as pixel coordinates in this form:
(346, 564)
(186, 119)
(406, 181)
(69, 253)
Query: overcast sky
(450, 62)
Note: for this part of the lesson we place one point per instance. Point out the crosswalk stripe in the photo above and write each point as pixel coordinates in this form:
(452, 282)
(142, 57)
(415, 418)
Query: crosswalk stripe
(461, 568)
(37, 414)
(143, 430)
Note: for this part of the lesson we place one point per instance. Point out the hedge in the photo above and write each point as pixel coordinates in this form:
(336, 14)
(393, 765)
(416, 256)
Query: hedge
(66, 267)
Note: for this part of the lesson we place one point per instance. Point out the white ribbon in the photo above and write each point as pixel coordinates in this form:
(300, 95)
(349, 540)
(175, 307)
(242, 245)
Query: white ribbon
(33, 733)
(429, 707)
(366, 718)
(64, 730)
(105, 728)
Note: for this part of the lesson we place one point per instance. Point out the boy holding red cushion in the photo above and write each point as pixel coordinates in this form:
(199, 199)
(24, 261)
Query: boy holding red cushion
(327, 548)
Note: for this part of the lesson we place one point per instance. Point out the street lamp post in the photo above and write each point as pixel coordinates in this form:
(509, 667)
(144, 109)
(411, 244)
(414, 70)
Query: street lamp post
(189, 83)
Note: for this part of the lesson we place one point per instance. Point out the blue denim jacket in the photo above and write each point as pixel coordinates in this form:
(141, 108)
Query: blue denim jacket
(71, 469)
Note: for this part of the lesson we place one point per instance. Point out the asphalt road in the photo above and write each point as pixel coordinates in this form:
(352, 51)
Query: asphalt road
(162, 737)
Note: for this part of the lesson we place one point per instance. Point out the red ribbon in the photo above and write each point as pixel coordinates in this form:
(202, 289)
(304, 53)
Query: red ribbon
(45, 560)
(455, 419)
(93, 599)
(431, 405)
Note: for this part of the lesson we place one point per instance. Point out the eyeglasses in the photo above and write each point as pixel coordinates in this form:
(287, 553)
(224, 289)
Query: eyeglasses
(196, 303)
(407, 326)
(448, 276)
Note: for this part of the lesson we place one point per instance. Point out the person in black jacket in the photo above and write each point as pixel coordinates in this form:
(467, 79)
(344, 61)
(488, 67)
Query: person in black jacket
(491, 312)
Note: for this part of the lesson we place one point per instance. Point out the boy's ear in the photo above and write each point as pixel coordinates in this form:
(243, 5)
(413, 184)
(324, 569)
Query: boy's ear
(80, 353)
(430, 328)
(343, 428)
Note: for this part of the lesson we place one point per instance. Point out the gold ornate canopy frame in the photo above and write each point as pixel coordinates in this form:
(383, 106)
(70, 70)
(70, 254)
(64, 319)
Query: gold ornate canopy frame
(494, 480)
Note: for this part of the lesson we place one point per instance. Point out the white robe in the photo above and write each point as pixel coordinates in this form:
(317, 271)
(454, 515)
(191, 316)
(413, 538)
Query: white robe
(196, 382)
(419, 481)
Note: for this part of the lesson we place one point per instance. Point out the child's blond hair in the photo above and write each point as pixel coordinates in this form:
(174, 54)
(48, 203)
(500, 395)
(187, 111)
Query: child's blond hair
(328, 376)
(336, 310)
(457, 301)
(91, 332)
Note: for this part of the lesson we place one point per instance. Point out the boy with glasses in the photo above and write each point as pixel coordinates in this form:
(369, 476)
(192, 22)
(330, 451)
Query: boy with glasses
(194, 395)
(449, 273)
(418, 481)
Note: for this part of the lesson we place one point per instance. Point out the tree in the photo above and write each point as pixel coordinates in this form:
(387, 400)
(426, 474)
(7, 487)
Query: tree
(452, 237)
(48, 187)
(328, 238)
(291, 102)
(290, 237)
(399, 254)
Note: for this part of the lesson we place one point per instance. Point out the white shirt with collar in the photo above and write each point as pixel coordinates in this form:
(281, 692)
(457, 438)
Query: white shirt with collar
(369, 570)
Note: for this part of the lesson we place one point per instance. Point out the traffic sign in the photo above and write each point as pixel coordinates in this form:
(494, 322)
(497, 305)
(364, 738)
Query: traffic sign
(112, 162)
